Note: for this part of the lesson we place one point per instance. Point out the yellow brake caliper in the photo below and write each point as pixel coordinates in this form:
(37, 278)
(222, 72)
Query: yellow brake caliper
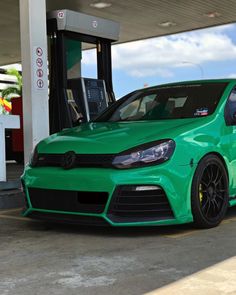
(200, 193)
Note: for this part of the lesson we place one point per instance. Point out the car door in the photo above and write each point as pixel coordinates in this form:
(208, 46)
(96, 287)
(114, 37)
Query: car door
(230, 120)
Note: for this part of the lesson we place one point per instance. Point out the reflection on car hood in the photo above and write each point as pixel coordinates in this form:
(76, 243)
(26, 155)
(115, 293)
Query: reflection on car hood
(114, 137)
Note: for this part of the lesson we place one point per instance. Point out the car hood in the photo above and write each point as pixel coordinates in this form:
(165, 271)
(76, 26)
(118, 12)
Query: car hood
(115, 137)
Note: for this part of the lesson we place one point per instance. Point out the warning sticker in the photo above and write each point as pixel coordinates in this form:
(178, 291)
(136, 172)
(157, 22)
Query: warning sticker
(201, 112)
(39, 62)
(40, 68)
(39, 51)
(61, 14)
(39, 73)
(40, 83)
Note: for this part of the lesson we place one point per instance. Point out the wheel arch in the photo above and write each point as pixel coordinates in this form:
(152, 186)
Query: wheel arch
(199, 218)
(221, 159)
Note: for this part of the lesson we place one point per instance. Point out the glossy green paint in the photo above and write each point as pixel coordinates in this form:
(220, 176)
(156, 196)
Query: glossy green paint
(194, 138)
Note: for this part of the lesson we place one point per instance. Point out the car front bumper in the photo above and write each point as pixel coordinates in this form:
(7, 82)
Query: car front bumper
(155, 195)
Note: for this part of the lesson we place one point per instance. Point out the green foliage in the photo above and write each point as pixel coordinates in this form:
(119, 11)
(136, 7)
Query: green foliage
(11, 90)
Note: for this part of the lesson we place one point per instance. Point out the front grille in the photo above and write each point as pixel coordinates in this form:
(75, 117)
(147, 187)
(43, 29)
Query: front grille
(68, 218)
(69, 201)
(82, 160)
(129, 205)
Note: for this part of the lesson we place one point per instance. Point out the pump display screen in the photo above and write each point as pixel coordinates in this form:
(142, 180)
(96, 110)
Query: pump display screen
(89, 95)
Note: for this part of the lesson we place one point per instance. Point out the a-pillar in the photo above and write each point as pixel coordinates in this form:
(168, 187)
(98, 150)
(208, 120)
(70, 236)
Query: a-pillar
(34, 70)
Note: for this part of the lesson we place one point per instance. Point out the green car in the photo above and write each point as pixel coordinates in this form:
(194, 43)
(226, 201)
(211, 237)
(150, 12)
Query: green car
(158, 156)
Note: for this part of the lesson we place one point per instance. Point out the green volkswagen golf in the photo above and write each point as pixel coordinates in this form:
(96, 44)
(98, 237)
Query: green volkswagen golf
(158, 156)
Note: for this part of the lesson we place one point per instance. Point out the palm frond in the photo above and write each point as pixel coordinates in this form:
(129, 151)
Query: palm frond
(10, 90)
(13, 89)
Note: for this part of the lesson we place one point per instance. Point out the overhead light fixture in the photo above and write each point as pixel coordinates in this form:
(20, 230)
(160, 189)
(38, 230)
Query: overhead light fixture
(212, 14)
(167, 24)
(100, 5)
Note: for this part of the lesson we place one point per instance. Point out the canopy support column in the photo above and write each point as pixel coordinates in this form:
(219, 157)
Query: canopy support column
(34, 70)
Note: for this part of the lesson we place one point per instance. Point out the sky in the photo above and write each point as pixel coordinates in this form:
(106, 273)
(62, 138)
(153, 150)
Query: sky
(201, 54)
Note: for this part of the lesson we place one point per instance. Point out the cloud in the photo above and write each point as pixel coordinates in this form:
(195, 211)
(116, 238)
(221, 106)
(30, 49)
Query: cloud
(233, 76)
(89, 57)
(159, 56)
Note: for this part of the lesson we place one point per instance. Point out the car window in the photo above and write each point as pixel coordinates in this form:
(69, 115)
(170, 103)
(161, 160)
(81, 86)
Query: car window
(167, 102)
(137, 108)
(230, 108)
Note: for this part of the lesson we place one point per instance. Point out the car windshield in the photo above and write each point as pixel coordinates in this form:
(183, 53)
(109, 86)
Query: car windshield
(168, 102)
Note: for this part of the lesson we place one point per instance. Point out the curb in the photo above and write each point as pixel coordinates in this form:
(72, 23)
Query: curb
(11, 199)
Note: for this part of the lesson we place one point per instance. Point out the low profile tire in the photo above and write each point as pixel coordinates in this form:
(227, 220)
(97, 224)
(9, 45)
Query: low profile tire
(210, 193)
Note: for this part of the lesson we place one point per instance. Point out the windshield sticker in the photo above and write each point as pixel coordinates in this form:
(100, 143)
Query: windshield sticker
(201, 112)
(179, 86)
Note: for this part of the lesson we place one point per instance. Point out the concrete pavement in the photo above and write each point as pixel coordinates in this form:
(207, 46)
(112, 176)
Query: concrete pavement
(39, 259)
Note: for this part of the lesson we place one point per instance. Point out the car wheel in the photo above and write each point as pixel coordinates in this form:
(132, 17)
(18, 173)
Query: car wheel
(210, 194)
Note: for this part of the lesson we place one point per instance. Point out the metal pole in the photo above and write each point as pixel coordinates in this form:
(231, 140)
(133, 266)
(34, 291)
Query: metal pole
(34, 72)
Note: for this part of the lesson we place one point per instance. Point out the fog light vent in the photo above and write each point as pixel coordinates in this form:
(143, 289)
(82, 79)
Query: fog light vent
(139, 203)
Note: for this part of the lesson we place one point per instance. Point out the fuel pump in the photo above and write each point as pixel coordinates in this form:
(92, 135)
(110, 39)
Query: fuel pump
(73, 98)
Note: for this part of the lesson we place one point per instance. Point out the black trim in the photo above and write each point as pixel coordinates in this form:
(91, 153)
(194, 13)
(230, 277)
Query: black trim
(145, 146)
(70, 201)
(128, 205)
(68, 218)
(81, 160)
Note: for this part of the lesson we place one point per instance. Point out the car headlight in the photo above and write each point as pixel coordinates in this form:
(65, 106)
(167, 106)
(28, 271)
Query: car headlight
(145, 155)
(34, 158)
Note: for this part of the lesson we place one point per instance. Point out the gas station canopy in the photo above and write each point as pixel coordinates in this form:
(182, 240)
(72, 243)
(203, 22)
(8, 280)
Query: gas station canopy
(139, 19)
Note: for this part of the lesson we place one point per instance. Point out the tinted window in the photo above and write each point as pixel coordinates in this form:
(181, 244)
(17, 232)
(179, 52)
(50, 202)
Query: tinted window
(170, 102)
(230, 108)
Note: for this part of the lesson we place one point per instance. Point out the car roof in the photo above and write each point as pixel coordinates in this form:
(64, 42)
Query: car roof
(192, 82)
